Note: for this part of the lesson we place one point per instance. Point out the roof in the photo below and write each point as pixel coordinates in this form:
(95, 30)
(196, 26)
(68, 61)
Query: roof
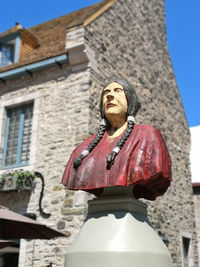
(195, 184)
(13, 30)
(51, 35)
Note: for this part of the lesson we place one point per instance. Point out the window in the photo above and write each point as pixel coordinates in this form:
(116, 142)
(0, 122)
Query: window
(185, 250)
(9, 49)
(18, 136)
(6, 55)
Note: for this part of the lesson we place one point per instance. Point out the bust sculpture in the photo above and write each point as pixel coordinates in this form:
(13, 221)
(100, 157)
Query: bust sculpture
(121, 153)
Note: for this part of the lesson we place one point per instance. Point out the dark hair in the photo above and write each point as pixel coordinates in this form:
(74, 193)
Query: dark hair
(133, 107)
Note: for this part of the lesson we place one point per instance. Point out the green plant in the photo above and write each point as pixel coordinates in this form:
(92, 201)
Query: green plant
(4, 175)
(3, 178)
(23, 178)
(2, 181)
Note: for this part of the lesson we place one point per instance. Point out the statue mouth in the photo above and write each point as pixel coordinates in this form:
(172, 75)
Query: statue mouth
(110, 105)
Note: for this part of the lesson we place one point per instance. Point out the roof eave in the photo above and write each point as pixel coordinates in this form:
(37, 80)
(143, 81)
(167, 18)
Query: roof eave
(34, 67)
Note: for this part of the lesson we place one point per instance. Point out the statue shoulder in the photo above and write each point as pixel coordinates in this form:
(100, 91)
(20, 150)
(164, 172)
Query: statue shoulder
(146, 128)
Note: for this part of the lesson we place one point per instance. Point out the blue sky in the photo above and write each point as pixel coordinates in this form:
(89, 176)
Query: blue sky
(183, 35)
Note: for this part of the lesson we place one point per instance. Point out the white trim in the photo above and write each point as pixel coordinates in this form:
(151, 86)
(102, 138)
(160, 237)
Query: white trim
(85, 153)
(116, 149)
(130, 118)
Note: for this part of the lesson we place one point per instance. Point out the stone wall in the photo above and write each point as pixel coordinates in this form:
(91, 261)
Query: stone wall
(129, 40)
(62, 124)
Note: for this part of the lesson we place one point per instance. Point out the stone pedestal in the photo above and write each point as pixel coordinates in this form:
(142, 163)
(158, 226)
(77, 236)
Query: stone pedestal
(117, 233)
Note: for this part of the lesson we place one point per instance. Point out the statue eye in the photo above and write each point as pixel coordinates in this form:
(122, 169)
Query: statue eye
(118, 90)
(106, 92)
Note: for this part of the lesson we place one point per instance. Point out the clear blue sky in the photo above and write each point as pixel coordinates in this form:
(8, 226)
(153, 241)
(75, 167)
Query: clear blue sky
(183, 35)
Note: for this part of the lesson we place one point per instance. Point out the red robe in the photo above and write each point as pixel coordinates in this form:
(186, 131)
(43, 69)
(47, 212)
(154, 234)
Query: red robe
(143, 161)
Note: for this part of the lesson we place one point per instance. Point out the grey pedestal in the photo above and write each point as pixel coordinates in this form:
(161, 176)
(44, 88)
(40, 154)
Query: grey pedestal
(117, 233)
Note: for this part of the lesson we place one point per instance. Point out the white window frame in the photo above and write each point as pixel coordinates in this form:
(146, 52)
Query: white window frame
(15, 41)
(11, 103)
(12, 51)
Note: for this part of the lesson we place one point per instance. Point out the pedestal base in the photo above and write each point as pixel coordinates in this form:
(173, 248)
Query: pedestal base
(117, 238)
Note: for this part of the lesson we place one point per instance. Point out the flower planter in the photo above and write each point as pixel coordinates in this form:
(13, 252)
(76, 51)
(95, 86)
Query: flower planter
(28, 184)
(10, 183)
(18, 180)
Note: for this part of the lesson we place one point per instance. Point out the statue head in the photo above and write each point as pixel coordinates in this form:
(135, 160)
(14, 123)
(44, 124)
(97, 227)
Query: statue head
(133, 103)
(127, 105)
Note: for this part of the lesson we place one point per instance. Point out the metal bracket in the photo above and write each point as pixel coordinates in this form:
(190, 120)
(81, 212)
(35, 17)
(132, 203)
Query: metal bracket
(42, 213)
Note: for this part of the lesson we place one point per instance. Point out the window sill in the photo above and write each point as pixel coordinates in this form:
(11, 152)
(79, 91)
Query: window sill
(17, 168)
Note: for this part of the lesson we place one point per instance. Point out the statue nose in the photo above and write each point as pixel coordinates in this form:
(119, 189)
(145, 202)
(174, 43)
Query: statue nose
(110, 96)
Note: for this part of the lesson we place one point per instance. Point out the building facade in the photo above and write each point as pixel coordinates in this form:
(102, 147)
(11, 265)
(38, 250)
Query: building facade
(51, 88)
(195, 171)
(196, 199)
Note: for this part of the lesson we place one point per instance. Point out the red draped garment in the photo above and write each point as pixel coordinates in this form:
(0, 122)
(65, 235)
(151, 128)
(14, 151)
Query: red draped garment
(143, 161)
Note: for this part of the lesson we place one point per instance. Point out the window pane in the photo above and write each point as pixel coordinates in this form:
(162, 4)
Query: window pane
(26, 139)
(13, 133)
(19, 135)
(6, 55)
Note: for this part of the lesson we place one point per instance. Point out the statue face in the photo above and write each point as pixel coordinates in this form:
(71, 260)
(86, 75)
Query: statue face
(114, 101)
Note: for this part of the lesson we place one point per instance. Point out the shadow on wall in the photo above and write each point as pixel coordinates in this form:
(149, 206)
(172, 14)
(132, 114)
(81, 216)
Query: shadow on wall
(16, 201)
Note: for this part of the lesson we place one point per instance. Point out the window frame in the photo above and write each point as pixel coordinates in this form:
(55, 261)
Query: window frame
(14, 102)
(20, 138)
(11, 59)
(13, 40)
(185, 235)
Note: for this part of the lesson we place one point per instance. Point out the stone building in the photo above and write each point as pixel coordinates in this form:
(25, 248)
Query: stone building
(195, 171)
(196, 199)
(51, 78)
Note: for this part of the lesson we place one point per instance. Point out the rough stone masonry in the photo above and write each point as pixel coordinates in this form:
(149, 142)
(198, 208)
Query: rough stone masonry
(128, 40)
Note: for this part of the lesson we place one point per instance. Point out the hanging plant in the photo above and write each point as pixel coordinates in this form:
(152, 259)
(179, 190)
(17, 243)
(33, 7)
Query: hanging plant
(17, 180)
